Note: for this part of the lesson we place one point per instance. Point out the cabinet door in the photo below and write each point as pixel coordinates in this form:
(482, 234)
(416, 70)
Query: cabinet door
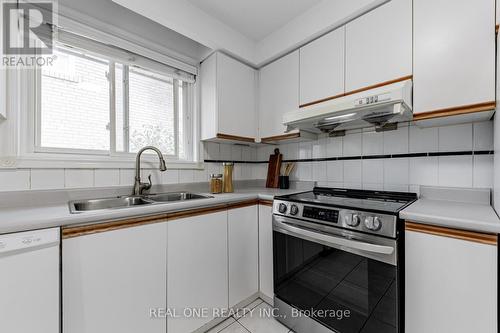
(451, 285)
(278, 93)
(208, 96)
(112, 279)
(266, 251)
(197, 269)
(454, 53)
(243, 241)
(379, 45)
(236, 84)
(322, 67)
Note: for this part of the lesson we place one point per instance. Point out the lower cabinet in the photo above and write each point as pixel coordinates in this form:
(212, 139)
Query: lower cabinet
(243, 253)
(266, 251)
(451, 283)
(197, 270)
(112, 279)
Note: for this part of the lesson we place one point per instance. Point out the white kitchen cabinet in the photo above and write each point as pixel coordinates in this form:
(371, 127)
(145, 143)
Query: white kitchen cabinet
(266, 251)
(322, 67)
(278, 94)
(112, 279)
(197, 269)
(454, 54)
(379, 45)
(451, 285)
(228, 99)
(243, 242)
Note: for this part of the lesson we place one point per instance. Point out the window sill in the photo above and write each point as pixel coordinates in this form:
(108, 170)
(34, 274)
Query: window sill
(49, 161)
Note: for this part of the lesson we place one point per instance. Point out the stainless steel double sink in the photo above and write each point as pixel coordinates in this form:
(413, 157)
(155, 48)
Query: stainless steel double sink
(79, 206)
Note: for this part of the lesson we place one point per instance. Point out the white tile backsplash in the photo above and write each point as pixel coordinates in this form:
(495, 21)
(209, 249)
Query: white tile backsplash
(352, 171)
(186, 176)
(171, 176)
(14, 180)
(46, 179)
(236, 153)
(424, 171)
(373, 143)
(105, 177)
(319, 148)
(79, 178)
(373, 171)
(396, 171)
(335, 171)
(334, 146)
(225, 151)
(396, 142)
(455, 138)
(319, 172)
(127, 177)
(352, 144)
(455, 171)
(483, 171)
(305, 150)
(423, 139)
(483, 135)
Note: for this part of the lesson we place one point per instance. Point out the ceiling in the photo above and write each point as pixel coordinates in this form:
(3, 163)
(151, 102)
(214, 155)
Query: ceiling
(255, 19)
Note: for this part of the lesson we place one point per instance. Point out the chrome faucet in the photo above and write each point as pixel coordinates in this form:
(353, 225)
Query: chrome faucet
(140, 187)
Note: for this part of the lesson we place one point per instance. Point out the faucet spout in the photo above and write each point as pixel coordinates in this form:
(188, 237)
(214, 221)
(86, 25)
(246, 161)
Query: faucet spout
(139, 187)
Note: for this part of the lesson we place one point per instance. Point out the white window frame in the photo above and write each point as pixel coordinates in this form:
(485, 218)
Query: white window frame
(23, 85)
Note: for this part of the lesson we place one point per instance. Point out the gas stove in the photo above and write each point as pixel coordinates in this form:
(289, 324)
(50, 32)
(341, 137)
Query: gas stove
(373, 212)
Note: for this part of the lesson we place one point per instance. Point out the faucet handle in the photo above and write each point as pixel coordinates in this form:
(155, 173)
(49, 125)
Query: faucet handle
(148, 186)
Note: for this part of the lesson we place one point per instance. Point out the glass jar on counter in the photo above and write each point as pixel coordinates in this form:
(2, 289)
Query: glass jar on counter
(215, 182)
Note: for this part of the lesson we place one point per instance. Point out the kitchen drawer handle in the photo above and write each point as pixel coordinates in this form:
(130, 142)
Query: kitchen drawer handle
(306, 234)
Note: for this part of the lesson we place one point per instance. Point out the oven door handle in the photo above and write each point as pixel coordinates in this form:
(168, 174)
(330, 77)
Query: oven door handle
(335, 241)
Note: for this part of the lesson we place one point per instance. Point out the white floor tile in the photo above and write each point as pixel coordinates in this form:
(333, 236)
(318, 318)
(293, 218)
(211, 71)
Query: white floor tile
(235, 328)
(260, 321)
(226, 323)
(246, 309)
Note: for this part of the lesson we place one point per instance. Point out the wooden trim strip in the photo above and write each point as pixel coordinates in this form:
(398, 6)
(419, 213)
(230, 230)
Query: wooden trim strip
(476, 237)
(271, 139)
(454, 111)
(70, 232)
(266, 202)
(377, 85)
(235, 137)
(89, 229)
(496, 28)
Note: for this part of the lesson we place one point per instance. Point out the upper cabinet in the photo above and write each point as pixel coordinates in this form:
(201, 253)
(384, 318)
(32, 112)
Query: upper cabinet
(379, 46)
(322, 68)
(454, 57)
(228, 99)
(278, 94)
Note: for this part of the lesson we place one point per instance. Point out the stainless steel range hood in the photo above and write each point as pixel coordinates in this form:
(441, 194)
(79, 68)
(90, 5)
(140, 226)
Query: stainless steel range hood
(378, 107)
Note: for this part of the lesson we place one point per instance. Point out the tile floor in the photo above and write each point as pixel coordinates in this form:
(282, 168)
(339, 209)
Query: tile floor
(254, 318)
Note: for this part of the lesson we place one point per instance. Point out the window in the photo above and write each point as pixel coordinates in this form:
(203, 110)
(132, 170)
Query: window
(98, 103)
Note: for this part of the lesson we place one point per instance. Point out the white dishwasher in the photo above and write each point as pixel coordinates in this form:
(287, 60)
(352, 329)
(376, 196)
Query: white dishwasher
(29, 282)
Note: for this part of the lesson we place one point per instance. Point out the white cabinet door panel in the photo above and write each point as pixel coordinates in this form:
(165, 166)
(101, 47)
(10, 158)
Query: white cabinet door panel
(243, 241)
(379, 45)
(266, 251)
(451, 285)
(454, 53)
(278, 93)
(112, 279)
(197, 268)
(236, 97)
(322, 67)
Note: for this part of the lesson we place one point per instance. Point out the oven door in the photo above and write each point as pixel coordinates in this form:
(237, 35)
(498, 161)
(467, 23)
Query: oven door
(341, 281)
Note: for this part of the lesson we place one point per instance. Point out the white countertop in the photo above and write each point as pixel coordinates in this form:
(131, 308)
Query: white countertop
(21, 218)
(466, 210)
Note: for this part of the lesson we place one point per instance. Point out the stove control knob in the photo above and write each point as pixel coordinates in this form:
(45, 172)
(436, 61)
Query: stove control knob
(377, 224)
(282, 208)
(352, 220)
(369, 222)
(294, 209)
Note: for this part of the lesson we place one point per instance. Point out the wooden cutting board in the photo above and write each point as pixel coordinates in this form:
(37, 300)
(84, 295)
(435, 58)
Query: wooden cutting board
(273, 169)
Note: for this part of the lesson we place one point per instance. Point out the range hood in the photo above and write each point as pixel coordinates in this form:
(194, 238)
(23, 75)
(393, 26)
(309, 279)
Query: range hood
(379, 107)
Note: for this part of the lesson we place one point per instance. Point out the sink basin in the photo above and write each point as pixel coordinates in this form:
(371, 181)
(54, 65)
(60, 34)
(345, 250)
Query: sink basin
(131, 201)
(107, 203)
(175, 196)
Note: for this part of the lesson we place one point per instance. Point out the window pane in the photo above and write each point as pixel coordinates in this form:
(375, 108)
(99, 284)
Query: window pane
(75, 102)
(120, 126)
(151, 111)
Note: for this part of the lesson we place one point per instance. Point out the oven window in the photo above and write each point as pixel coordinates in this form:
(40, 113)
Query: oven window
(359, 295)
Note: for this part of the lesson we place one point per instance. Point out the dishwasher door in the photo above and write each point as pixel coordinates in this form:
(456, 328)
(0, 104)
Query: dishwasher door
(29, 282)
